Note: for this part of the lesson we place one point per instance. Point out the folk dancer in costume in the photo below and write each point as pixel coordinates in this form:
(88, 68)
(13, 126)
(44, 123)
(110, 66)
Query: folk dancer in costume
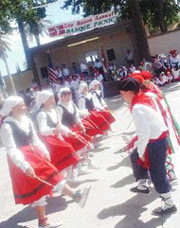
(68, 114)
(75, 88)
(29, 162)
(99, 102)
(174, 137)
(150, 154)
(62, 154)
(78, 142)
(86, 105)
(161, 107)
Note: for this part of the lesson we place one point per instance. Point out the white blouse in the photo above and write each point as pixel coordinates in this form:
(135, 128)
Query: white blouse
(43, 126)
(8, 141)
(82, 102)
(98, 105)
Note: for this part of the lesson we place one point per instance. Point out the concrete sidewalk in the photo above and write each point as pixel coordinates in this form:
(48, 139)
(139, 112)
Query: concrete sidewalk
(110, 203)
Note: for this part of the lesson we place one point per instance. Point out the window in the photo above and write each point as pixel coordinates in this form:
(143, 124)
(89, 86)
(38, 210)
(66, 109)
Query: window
(91, 56)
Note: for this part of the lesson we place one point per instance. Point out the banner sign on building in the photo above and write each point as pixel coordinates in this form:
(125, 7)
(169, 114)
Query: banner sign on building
(83, 25)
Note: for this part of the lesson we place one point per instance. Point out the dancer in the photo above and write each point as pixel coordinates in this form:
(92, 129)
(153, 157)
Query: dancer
(32, 174)
(75, 88)
(152, 144)
(99, 102)
(62, 154)
(69, 116)
(86, 105)
(174, 132)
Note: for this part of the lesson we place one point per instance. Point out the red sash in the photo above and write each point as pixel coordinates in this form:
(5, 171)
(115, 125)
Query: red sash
(146, 163)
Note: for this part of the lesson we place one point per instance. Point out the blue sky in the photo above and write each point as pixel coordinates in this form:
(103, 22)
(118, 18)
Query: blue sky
(56, 15)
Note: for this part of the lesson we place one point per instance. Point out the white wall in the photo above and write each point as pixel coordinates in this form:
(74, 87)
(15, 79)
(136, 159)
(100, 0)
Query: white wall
(22, 80)
(163, 43)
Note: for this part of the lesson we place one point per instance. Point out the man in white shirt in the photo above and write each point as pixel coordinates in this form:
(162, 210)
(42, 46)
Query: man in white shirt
(65, 71)
(149, 157)
(59, 72)
(129, 57)
(83, 67)
(98, 64)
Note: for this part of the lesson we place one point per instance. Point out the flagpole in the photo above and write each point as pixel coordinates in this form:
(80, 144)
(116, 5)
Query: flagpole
(9, 75)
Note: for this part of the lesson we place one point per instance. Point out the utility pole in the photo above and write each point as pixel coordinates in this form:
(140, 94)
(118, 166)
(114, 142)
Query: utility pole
(8, 73)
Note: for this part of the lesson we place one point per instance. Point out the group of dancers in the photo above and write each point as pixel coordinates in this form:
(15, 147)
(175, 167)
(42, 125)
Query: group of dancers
(48, 148)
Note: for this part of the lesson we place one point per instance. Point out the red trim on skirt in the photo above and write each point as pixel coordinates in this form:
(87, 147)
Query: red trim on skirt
(77, 129)
(107, 115)
(61, 152)
(91, 130)
(100, 123)
(76, 141)
(27, 190)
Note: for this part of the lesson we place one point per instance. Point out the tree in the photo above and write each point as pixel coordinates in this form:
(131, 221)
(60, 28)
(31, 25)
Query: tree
(4, 47)
(140, 34)
(35, 28)
(157, 14)
(21, 11)
(167, 13)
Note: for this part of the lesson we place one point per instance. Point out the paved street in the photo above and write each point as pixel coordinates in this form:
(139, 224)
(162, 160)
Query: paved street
(110, 203)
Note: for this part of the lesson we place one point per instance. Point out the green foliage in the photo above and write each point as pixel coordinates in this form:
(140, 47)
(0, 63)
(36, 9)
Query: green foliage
(22, 10)
(149, 9)
(151, 12)
(92, 6)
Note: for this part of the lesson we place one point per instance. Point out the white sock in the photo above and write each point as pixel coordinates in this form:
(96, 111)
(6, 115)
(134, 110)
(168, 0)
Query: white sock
(167, 201)
(143, 184)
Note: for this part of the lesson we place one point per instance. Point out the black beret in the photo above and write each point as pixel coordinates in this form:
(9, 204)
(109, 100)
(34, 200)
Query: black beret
(129, 84)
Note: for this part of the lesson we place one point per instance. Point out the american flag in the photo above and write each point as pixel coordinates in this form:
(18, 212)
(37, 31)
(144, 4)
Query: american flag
(51, 71)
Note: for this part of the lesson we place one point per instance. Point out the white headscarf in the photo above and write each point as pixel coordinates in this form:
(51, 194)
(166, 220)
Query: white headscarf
(10, 103)
(82, 86)
(42, 97)
(93, 83)
(62, 92)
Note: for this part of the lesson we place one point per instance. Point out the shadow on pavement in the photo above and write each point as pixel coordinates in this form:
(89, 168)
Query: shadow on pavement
(55, 204)
(123, 182)
(124, 163)
(153, 223)
(132, 210)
